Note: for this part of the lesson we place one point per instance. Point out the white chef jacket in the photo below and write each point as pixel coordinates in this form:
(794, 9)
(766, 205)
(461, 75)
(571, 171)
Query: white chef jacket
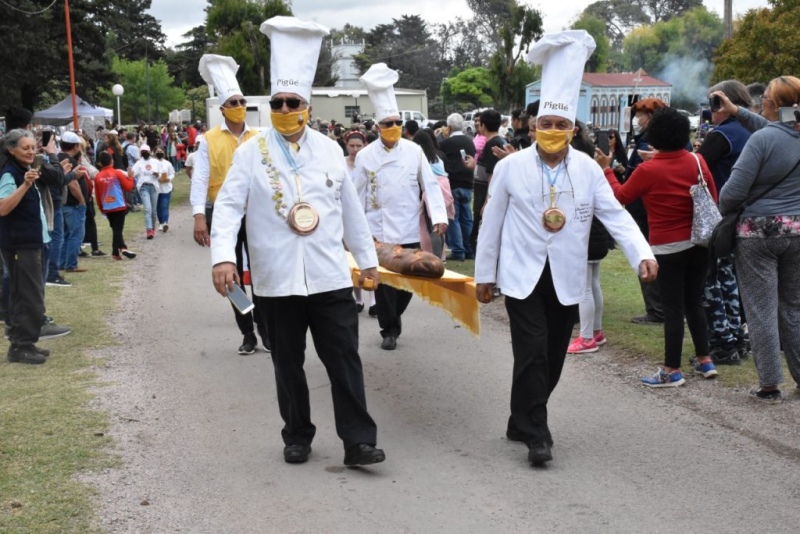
(146, 171)
(397, 174)
(513, 244)
(198, 194)
(283, 263)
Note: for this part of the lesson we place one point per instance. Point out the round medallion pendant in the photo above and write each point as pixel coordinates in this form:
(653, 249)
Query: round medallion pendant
(554, 219)
(303, 218)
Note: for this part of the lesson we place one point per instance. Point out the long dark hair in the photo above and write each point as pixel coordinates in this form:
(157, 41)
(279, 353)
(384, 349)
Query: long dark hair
(425, 141)
(620, 154)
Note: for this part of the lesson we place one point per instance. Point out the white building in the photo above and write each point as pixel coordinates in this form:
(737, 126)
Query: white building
(344, 67)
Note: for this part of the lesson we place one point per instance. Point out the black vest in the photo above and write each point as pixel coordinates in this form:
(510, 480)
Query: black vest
(22, 228)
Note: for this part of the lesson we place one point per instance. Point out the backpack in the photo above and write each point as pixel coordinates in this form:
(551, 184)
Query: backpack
(125, 161)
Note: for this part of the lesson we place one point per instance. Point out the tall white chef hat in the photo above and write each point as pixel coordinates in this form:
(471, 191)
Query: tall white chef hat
(220, 72)
(294, 52)
(380, 81)
(563, 56)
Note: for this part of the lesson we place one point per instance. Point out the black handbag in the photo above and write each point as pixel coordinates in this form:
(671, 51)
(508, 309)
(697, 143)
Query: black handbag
(723, 238)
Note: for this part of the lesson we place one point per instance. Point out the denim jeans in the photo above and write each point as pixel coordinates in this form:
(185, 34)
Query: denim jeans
(56, 242)
(163, 207)
(149, 195)
(459, 232)
(74, 230)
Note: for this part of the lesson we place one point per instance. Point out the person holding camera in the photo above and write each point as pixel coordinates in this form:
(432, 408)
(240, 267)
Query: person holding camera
(23, 235)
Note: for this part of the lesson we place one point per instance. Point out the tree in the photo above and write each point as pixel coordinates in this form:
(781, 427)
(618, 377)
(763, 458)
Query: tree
(137, 33)
(140, 79)
(764, 46)
(35, 70)
(472, 86)
(598, 61)
(184, 61)
(405, 45)
(234, 26)
(517, 33)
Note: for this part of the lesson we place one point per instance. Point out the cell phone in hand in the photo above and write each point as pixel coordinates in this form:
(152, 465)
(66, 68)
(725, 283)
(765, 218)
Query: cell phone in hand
(789, 114)
(463, 154)
(715, 102)
(38, 161)
(46, 135)
(240, 300)
(602, 141)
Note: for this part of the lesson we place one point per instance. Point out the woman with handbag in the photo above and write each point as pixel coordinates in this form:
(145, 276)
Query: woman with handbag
(663, 183)
(765, 186)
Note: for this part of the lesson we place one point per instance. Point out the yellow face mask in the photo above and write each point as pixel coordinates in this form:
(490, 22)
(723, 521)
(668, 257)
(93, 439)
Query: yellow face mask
(552, 141)
(235, 115)
(391, 134)
(289, 123)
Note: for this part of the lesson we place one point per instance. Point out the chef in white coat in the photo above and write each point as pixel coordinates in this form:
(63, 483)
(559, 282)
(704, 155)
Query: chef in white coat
(301, 205)
(533, 243)
(390, 175)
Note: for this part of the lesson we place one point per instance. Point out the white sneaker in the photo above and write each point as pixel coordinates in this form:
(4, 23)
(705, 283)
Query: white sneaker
(160, 227)
(165, 227)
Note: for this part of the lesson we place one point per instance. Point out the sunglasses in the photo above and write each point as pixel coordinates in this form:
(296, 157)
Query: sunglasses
(389, 124)
(233, 103)
(277, 103)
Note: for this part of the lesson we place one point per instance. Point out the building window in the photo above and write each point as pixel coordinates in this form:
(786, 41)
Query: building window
(614, 113)
(594, 115)
(603, 114)
(349, 110)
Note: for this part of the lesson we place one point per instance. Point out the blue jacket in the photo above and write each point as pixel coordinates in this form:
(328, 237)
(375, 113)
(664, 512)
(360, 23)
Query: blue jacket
(22, 228)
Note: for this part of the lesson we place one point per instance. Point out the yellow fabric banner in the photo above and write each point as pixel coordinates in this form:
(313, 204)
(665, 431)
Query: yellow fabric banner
(453, 292)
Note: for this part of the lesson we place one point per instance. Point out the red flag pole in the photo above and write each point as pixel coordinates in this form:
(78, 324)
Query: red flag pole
(71, 68)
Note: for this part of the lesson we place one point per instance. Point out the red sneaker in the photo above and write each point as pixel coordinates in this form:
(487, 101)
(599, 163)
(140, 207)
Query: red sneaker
(582, 346)
(599, 337)
(151, 234)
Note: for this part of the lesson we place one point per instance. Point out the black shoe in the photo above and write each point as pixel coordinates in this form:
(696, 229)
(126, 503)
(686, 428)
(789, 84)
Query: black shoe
(98, 253)
(373, 311)
(296, 454)
(248, 344)
(127, 253)
(51, 330)
(363, 454)
(24, 354)
(453, 257)
(721, 356)
(359, 307)
(58, 282)
(83, 254)
(647, 319)
(539, 453)
(43, 352)
(768, 397)
(389, 343)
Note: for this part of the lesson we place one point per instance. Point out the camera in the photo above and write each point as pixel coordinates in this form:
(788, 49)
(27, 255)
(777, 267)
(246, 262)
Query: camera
(715, 102)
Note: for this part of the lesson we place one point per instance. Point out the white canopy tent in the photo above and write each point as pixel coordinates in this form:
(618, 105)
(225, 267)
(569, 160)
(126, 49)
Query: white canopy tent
(61, 113)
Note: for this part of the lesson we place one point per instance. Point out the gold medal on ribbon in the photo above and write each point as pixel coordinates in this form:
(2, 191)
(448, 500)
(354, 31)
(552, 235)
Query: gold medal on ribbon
(553, 218)
(303, 218)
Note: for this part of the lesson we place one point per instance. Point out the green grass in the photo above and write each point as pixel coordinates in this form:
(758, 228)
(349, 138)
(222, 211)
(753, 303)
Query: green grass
(48, 432)
(634, 343)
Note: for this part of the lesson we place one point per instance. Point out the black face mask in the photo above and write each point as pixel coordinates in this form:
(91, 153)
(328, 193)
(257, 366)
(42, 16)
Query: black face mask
(146, 154)
(160, 155)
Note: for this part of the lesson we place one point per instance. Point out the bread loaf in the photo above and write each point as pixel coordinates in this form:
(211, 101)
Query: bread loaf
(414, 262)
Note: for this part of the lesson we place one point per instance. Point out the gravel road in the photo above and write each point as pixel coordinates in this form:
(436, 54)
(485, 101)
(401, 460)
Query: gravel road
(198, 430)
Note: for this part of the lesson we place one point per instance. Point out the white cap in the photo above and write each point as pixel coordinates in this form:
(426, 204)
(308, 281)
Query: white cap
(71, 137)
(220, 72)
(112, 132)
(563, 57)
(294, 52)
(380, 81)
(144, 148)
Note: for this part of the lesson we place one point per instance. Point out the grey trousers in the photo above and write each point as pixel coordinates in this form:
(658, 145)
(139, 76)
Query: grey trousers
(769, 284)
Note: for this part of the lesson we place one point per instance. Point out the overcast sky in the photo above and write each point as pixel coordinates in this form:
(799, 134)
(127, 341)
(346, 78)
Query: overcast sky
(179, 16)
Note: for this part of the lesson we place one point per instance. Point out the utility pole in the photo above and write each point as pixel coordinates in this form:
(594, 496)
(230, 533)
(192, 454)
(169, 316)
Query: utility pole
(728, 19)
(147, 81)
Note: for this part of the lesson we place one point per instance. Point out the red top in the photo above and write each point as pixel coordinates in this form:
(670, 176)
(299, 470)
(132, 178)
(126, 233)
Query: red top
(663, 185)
(191, 135)
(104, 179)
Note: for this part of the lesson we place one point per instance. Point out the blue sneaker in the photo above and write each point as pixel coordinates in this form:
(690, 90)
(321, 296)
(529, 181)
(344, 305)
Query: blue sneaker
(663, 380)
(706, 369)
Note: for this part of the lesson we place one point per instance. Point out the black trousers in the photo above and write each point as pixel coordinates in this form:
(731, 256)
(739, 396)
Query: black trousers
(540, 332)
(90, 226)
(651, 291)
(333, 320)
(390, 304)
(116, 220)
(245, 322)
(26, 294)
(480, 190)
